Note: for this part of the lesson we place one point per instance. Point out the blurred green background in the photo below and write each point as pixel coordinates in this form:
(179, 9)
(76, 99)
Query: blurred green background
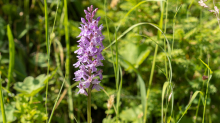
(195, 33)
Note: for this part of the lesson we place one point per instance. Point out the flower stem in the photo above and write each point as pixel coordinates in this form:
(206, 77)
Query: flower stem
(89, 104)
(2, 102)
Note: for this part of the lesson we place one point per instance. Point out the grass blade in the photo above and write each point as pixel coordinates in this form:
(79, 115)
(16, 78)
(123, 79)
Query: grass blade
(119, 92)
(165, 85)
(64, 78)
(132, 9)
(54, 106)
(154, 60)
(69, 92)
(2, 102)
(206, 66)
(207, 88)
(164, 42)
(170, 69)
(190, 102)
(48, 49)
(11, 55)
(174, 20)
(135, 25)
(106, 20)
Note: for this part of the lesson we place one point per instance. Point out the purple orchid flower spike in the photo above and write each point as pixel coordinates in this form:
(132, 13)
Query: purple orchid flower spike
(89, 53)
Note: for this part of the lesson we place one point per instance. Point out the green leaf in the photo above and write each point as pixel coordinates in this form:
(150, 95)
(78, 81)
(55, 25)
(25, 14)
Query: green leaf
(9, 112)
(31, 86)
(206, 66)
(11, 55)
(22, 33)
(165, 85)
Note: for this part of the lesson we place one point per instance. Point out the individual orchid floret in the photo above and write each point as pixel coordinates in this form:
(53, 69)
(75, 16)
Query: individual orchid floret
(89, 53)
(201, 3)
(82, 89)
(215, 11)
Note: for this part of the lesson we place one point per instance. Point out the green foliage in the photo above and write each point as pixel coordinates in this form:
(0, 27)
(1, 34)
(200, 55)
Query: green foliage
(9, 112)
(31, 86)
(192, 33)
(30, 109)
(132, 114)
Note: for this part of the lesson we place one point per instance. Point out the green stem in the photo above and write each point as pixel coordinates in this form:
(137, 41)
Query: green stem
(165, 28)
(56, 102)
(112, 56)
(106, 20)
(150, 81)
(165, 59)
(197, 110)
(48, 48)
(89, 104)
(206, 99)
(154, 60)
(69, 92)
(2, 102)
(199, 103)
(207, 88)
(117, 71)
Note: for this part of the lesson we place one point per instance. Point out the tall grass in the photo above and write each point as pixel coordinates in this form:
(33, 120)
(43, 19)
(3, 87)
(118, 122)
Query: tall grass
(166, 69)
(164, 42)
(201, 94)
(48, 48)
(58, 65)
(154, 59)
(114, 66)
(2, 100)
(115, 57)
(67, 66)
(200, 56)
(10, 69)
(207, 87)
(54, 107)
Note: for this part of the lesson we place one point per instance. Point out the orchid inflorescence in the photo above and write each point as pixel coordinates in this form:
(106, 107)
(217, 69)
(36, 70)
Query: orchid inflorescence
(89, 53)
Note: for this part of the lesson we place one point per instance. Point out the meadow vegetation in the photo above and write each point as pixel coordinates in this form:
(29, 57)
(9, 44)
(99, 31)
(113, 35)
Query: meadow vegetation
(161, 61)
